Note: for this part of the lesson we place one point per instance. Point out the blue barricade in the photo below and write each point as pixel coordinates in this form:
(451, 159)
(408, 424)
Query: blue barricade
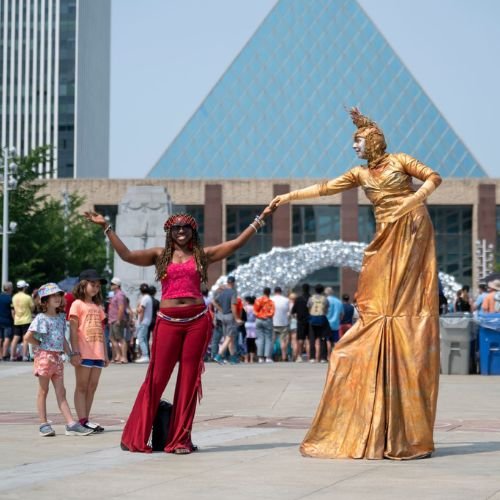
(489, 343)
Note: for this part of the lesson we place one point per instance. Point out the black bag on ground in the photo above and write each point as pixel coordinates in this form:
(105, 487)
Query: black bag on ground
(161, 425)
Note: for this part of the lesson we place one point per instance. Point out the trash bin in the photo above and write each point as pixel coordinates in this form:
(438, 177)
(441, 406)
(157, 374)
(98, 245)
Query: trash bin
(456, 336)
(489, 343)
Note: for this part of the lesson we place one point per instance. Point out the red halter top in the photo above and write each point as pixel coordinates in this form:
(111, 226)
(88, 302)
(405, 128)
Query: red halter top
(182, 280)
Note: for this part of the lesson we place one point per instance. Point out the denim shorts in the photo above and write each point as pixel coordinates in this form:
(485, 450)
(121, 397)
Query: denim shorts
(92, 363)
(6, 332)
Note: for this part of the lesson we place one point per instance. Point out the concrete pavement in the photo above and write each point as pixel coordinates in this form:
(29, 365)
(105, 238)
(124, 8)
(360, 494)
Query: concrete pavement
(249, 426)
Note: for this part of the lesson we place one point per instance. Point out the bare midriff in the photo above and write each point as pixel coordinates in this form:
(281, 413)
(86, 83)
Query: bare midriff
(182, 301)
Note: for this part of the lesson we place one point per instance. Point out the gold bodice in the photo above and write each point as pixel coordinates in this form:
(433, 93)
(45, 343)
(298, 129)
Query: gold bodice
(385, 186)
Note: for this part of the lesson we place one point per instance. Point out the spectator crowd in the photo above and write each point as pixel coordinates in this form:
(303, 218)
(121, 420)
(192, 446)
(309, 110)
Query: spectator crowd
(274, 326)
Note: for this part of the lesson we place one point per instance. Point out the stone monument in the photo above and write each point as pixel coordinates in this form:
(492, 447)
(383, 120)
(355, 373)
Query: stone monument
(139, 223)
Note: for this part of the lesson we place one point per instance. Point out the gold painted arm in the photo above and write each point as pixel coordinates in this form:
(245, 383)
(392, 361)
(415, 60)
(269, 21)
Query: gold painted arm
(422, 172)
(326, 188)
(418, 170)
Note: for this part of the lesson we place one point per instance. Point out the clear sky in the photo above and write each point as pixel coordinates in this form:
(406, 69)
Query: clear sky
(167, 55)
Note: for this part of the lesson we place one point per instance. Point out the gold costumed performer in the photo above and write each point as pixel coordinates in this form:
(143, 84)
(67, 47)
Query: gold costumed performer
(379, 399)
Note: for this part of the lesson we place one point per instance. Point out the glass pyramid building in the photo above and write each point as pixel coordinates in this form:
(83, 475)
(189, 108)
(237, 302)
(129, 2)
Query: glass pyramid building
(278, 112)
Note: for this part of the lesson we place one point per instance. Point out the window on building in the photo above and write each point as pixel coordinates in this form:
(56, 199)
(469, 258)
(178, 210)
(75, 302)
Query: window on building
(453, 229)
(497, 254)
(312, 223)
(366, 223)
(315, 223)
(238, 218)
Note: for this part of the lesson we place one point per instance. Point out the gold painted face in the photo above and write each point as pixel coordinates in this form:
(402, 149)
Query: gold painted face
(359, 147)
(375, 144)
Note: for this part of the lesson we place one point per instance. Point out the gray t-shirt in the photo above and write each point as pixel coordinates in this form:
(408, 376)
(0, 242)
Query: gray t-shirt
(226, 298)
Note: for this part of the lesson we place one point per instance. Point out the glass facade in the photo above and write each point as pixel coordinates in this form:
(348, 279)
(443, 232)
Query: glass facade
(497, 254)
(315, 223)
(39, 103)
(278, 110)
(453, 232)
(453, 229)
(237, 219)
(66, 128)
(312, 223)
(366, 223)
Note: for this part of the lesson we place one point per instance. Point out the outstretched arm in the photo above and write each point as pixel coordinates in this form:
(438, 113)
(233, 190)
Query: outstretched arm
(224, 250)
(145, 257)
(326, 188)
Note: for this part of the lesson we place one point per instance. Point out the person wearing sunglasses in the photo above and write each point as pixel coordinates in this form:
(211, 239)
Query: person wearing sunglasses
(183, 327)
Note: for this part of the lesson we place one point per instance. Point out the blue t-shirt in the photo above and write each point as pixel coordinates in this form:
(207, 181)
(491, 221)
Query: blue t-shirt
(50, 331)
(5, 309)
(348, 314)
(334, 310)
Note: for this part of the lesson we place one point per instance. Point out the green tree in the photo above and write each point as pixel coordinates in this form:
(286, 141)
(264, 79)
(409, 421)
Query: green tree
(50, 241)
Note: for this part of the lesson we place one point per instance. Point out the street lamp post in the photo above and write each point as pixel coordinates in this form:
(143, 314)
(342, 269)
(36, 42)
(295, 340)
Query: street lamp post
(7, 155)
(485, 253)
(107, 268)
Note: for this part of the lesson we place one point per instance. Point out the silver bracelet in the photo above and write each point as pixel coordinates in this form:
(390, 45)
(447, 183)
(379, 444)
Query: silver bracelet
(253, 227)
(107, 228)
(259, 221)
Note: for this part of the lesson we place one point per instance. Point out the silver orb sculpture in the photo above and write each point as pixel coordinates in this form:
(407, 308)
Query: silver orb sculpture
(286, 267)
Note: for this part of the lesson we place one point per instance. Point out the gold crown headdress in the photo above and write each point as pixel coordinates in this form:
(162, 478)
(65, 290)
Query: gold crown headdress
(375, 144)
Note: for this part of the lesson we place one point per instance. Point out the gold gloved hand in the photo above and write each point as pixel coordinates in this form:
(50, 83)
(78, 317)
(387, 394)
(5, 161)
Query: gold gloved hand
(279, 200)
(414, 200)
(300, 194)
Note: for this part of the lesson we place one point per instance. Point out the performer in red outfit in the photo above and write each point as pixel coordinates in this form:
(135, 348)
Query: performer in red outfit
(183, 327)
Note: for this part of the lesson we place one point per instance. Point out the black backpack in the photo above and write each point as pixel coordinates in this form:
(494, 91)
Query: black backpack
(161, 426)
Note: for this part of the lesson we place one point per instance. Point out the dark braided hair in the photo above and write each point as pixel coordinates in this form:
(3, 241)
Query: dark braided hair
(166, 256)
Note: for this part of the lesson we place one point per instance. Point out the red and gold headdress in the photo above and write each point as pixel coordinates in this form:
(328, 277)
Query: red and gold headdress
(375, 144)
(180, 220)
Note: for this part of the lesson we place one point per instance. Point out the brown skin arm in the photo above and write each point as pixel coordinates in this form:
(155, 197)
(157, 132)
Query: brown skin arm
(224, 250)
(73, 329)
(30, 338)
(149, 256)
(145, 257)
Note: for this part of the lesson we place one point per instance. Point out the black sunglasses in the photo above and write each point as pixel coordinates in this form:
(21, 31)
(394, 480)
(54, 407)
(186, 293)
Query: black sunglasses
(178, 227)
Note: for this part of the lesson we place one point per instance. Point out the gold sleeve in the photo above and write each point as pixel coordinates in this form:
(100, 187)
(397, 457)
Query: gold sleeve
(346, 181)
(418, 170)
(327, 188)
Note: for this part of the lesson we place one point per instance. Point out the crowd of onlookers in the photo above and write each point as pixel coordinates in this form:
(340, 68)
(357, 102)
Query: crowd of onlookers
(128, 328)
(276, 326)
(487, 299)
(272, 327)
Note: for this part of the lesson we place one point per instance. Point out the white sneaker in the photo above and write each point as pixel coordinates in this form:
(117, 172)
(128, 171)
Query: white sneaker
(269, 360)
(261, 360)
(312, 361)
(299, 359)
(323, 361)
(142, 359)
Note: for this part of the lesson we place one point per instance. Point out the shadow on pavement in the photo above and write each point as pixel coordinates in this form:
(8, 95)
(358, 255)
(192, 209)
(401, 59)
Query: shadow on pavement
(467, 448)
(248, 447)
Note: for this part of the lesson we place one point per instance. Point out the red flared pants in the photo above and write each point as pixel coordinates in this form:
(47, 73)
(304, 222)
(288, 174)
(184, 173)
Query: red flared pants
(185, 343)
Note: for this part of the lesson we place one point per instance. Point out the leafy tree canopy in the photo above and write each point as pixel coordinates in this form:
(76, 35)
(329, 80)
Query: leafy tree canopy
(51, 240)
